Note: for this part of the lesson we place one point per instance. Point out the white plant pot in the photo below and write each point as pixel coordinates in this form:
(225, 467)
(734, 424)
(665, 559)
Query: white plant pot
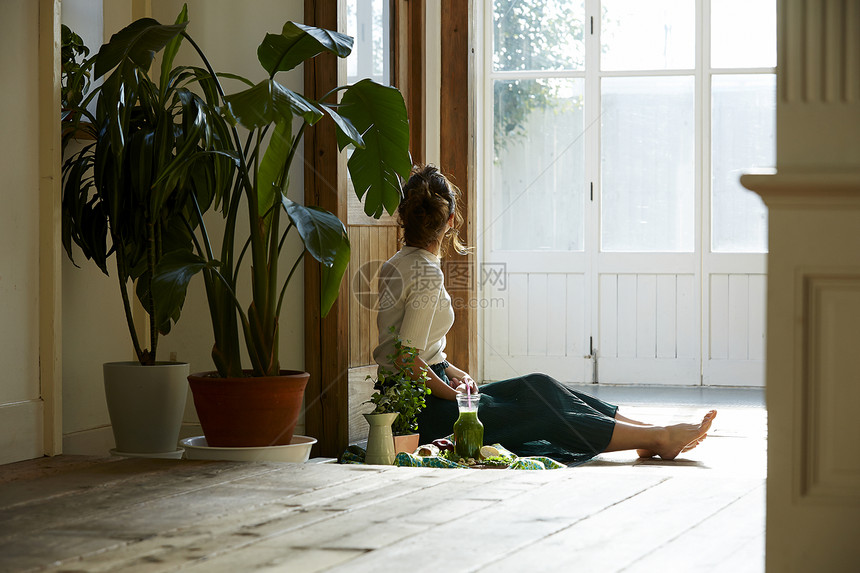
(146, 404)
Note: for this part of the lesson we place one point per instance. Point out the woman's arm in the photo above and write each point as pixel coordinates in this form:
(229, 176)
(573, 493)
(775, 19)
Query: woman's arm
(437, 387)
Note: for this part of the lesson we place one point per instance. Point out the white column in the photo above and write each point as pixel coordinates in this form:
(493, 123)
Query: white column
(813, 325)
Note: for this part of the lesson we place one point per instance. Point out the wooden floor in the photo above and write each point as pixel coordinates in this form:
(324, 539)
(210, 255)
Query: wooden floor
(701, 513)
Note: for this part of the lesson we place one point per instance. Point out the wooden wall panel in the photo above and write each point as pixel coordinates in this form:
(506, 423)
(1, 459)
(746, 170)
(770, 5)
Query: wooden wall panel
(737, 317)
(666, 327)
(538, 310)
(647, 316)
(608, 319)
(456, 147)
(831, 306)
(576, 337)
(556, 330)
(371, 246)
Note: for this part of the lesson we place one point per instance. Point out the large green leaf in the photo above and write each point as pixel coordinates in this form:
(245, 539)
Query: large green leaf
(172, 49)
(326, 239)
(173, 168)
(138, 42)
(170, 282)
(269, 101)
(344, 126)
(141, 151)
(144, 296)
(297, 43)
(379, 113)
(331, 276)
(271, 178)
(322, 233)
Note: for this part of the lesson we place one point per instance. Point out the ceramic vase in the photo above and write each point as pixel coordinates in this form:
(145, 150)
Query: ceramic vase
(380, 440)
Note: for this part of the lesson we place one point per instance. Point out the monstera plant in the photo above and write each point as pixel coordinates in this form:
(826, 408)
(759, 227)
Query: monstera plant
(257, 132)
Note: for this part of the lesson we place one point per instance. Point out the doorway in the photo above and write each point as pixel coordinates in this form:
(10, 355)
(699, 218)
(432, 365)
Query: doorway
(618, 244)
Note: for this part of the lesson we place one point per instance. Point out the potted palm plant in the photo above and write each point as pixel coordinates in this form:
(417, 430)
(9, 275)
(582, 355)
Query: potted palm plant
(116, 205)
(259, 406)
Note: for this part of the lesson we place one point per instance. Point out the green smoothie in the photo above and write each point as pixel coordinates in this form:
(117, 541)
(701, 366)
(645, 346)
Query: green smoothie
(468, 434)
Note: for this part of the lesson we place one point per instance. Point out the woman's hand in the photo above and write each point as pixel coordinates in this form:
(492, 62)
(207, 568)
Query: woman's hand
(460, 380)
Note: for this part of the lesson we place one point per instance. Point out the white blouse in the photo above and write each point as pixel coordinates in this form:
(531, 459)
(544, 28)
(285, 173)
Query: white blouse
(413, 299)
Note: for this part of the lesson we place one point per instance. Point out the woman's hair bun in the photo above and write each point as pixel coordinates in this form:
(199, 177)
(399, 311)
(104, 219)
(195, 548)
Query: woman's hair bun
(429, 199)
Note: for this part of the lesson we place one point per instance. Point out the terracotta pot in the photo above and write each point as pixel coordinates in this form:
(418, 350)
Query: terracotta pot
(408, 443)
(248, 412)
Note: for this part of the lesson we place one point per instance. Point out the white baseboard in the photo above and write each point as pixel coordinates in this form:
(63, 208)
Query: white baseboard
(93, 442)
(21, 431)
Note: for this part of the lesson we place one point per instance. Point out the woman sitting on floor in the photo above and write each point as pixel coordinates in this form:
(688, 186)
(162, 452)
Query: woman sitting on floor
(530, 415)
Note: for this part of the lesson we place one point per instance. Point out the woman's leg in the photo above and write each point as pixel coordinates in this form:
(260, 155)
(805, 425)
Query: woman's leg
(537, 408)
(664, 441)
(614, 412)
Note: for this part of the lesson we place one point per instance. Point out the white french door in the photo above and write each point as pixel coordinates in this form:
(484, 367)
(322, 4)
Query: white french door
(617, 244)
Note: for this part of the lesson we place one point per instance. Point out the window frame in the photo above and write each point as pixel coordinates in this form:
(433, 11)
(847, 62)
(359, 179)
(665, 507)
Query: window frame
(593, 75)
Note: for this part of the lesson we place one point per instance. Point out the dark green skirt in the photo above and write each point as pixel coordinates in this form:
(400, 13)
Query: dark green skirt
(533, 415)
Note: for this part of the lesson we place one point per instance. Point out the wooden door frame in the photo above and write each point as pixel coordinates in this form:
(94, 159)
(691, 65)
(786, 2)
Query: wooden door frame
(457, 157)
(326, 349)
(326, 340)
(326, 352)
(408, 67)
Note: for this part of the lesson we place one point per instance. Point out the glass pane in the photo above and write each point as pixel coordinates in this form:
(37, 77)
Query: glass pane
(538, 165)
(743, 34)
(647, 164)
(743, 135)
(652, 35)
(367, 23)
(538, 35)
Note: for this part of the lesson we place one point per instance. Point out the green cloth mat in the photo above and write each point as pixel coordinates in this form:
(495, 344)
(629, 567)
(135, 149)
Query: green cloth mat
(356, 454)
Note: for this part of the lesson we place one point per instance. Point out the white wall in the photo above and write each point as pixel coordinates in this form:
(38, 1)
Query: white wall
(20, 404)
(94, 327)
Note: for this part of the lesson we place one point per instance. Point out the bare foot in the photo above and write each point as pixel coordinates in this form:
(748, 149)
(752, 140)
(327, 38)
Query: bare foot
(685, 437)
(687, 448)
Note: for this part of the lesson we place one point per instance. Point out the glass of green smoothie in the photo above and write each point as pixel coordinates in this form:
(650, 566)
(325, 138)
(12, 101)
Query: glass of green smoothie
(468, 429)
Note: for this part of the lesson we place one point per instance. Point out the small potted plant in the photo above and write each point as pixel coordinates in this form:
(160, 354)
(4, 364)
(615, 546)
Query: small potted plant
(398, 399)
(118, 208)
